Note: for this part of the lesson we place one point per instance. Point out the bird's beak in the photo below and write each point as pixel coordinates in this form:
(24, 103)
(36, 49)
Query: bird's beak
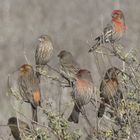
(40, 39)
(113, 16)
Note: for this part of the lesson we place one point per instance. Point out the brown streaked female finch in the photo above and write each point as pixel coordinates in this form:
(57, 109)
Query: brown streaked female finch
(29, 88)
(18, 128)
(68, 65)
(113, 32)
(43, 52)
(109, 90)
(82, 93)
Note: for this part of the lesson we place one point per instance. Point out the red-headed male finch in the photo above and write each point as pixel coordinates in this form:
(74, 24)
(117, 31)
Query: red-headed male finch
(113, 31)
(82, 93)
(109, 90)
(18, 128)
(29, 88)
(43, 52)
(68, 65)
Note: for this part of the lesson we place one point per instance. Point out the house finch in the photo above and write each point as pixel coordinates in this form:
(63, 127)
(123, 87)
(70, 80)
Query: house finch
(68, 65)
(113, 31)
(83, 89)
(18, 128)
(43, 52)
(29, 88)
(109, 90)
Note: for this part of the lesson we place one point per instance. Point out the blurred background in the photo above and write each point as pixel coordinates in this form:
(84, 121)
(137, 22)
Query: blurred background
(72, 25)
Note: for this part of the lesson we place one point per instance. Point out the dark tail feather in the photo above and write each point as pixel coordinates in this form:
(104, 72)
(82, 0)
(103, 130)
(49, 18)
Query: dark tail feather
(93, 48)
(118, 98)
(96, 45)
(74, 117)
(34, 113)
(120, 94)
(101, 110)
(38, 75)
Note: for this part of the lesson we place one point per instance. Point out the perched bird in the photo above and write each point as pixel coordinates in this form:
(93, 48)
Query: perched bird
(109, 90)
(43, 52)
(18, 128)
(29, 88)
(68, 65)
(113, 31)
(83, 90)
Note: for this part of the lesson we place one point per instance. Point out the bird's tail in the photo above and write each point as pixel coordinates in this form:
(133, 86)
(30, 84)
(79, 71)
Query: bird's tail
(34, 113)
(101, 110)
(74, 117)
(38, 75)
(96, 45)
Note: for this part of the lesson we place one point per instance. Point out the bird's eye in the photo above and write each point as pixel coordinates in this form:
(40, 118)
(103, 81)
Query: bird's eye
(61, 55)
(43, 38)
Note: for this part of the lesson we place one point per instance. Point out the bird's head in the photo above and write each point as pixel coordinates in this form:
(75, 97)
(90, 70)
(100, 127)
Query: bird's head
(117, 14)
(64, 54)
(25, 68)
(12, 120)
(84, 74)
(44, 38)
(112, 73)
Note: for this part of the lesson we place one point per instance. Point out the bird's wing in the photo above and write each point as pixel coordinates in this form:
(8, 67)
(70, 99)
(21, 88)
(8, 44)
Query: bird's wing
(22, 88)
(108, 32)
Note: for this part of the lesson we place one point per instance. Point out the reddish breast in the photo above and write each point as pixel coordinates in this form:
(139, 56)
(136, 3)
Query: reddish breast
(111, 86)
(118, 26)
(37, 96)
(82, 85)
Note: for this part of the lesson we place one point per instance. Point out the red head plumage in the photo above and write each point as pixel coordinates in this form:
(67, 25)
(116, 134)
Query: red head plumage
(117, 12)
